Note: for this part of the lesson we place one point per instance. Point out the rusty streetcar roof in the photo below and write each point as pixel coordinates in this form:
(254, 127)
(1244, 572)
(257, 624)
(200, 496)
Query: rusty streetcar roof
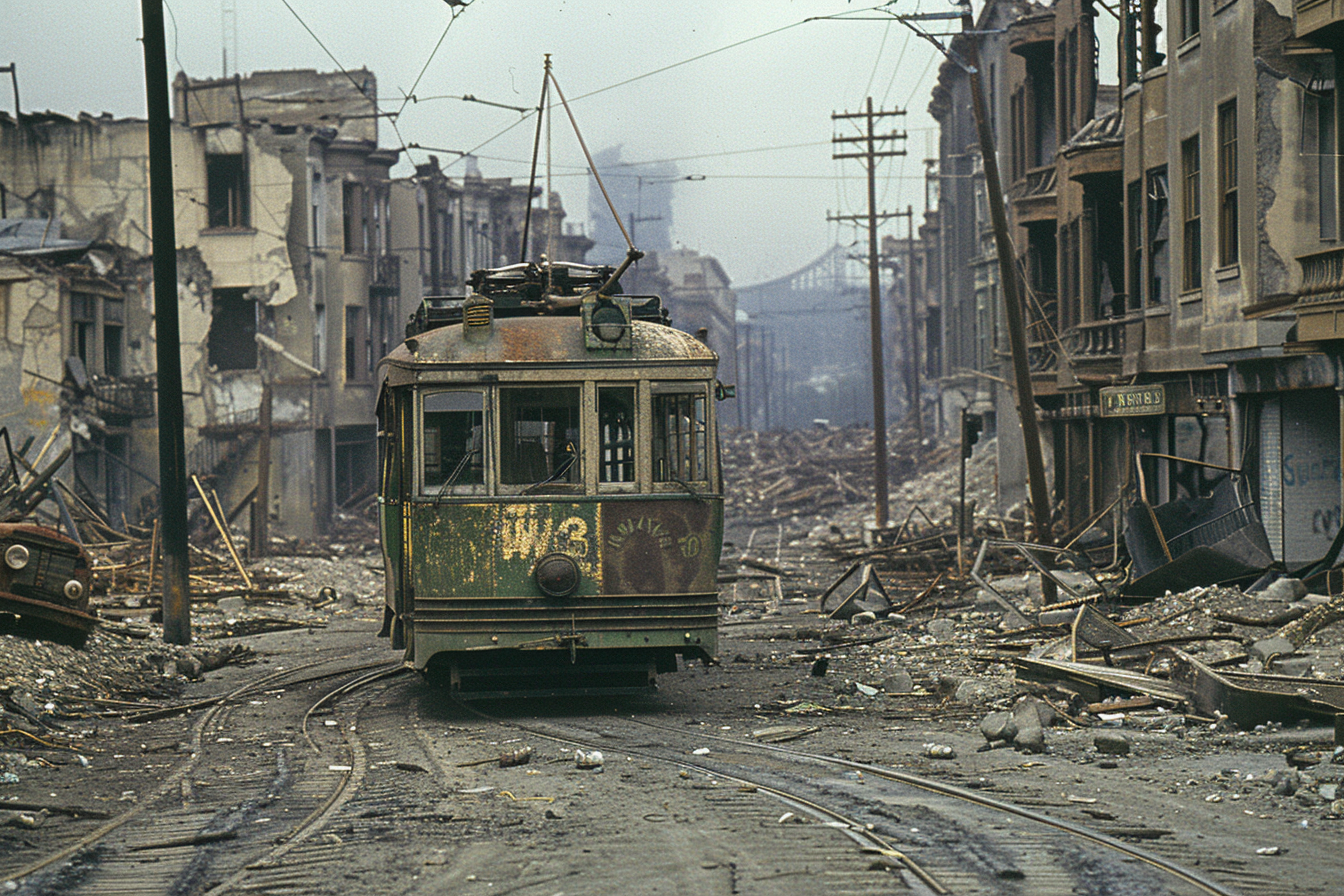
(546, 341)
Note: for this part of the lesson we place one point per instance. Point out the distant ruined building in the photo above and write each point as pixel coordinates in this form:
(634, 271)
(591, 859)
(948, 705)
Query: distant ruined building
(299, 259)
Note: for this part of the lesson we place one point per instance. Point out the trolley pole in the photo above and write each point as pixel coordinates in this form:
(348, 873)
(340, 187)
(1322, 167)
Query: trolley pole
(870, 154)
(172, 453)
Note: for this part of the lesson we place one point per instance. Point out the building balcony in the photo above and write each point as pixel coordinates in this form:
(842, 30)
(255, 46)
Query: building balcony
(1034, 196)
(123, 396)
(1096, 341)
(1312, 17)
(1320, 301)
(387, 273)
(1042, 343)
(1032, 34)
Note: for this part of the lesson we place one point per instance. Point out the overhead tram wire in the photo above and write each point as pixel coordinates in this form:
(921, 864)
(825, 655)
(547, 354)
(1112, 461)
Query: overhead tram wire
(452, 17)
(391, 117)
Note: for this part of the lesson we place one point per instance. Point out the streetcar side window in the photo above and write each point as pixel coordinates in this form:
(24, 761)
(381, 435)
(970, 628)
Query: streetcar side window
(452, 445)
(680, 437)
(539, 437)
(616, 433)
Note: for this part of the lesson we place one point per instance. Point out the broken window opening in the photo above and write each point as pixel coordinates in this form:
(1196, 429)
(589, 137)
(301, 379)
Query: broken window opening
(83, 319)
(357, 348)
(540, 437)
(1158, 236)
(1192, 250)
(232, 343)
(616, 433)
(226, 196)
(349, 199)
(1227, 184)
(679, 438)
(453, 443)
(356, 464)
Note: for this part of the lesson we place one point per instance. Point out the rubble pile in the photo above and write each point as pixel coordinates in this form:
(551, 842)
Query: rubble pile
(125, 666)
(829, 471)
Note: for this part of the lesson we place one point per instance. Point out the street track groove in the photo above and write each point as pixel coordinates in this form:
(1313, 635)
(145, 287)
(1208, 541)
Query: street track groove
(947, 840)
(217, 809)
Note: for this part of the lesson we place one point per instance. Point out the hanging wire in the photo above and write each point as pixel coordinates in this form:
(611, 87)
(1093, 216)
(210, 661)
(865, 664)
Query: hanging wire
(452, 17)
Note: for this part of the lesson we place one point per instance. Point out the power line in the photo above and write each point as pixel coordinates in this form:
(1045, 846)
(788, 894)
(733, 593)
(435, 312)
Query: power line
(452, 17)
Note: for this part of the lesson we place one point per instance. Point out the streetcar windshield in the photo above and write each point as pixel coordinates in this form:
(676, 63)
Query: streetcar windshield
(539, 437)
(452, 444)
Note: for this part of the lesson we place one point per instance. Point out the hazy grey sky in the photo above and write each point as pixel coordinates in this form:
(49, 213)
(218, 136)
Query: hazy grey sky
(753, 119)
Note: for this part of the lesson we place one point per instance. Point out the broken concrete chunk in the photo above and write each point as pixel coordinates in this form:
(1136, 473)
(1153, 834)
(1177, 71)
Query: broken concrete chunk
(973, 691)
(1267, 647)
(941, 628)
(1112, 743)
(1285, 590)
(1295, 667)
(898, 683)
(999, 726)
(1032, 707)
(1030, 740)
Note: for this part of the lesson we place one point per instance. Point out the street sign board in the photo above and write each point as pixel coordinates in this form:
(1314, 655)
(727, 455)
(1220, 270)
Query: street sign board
(1133, 401)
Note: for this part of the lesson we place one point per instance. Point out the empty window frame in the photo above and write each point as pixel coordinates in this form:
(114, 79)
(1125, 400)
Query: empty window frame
(616, 434)
(452, 447)
(114, 323)
(226, 190)
(1134, 216)
(680, 437)
(539, 438)
(232, 343)
(358, 349)
(353, 222)
(1227, 184)
(1192, 252)
(1320, 139)
(1159, 227)
(1189, 19)
(83, 327)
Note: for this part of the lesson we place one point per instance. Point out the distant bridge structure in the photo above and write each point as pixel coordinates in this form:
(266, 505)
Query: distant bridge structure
(803, 345)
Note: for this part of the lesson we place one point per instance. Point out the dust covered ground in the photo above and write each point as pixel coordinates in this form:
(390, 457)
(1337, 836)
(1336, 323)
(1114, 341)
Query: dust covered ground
(912, 687)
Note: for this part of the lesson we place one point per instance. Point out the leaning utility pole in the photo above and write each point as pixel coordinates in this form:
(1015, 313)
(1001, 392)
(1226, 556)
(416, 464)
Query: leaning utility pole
(1012, 300)
(172, 454)
(870, 155)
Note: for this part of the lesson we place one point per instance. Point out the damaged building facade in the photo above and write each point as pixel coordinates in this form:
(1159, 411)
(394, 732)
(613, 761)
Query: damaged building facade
(299, 260)
(1178, 234)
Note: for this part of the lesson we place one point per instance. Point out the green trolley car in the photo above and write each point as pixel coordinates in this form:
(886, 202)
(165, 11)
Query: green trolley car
(551, 506)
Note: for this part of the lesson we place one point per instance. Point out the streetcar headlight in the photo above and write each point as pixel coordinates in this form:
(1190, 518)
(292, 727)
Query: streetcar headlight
(608, 322)
(74, 590)
(16, 556)
(557, 575)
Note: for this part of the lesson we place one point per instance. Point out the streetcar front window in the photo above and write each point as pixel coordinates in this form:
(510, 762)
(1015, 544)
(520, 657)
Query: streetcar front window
(452, 445)
(539, 437)
(616, 433)
(680, 437)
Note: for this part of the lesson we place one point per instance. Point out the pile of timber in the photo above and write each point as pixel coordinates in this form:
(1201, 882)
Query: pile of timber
(774, 474)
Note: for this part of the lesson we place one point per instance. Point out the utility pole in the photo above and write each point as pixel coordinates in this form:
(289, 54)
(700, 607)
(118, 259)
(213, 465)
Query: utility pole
(167, 338)
(870, 154)
(1012, 299)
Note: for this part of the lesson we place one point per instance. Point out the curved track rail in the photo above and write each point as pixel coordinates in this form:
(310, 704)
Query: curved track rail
(855, 809)
(183, 818)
